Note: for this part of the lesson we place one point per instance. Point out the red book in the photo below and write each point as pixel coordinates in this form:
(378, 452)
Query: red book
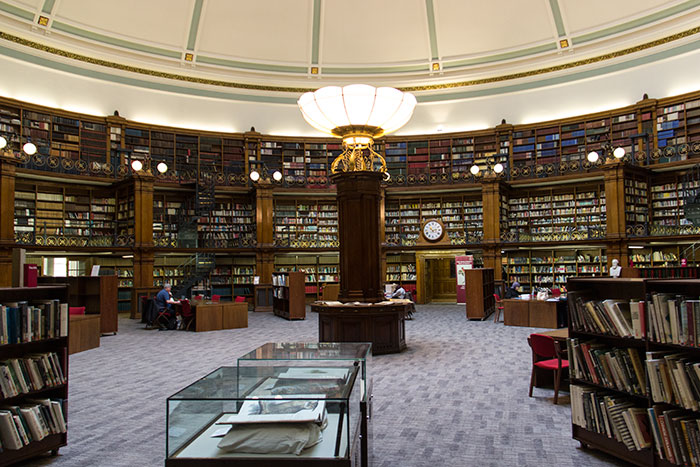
(30, 275)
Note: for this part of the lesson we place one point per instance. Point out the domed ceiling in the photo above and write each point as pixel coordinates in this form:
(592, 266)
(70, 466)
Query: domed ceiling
(279, 48)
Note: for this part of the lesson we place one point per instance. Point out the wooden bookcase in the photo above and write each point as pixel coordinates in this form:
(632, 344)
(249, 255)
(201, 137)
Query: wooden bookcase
(629, 289)
(56, 345)
(98, 294)
(480, 288)
(289, 299)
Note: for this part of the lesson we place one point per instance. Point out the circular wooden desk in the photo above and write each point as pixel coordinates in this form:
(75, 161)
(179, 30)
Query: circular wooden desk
(383, 324)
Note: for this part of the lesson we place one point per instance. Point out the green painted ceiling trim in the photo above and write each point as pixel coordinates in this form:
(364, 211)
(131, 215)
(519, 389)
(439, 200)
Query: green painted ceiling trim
(359, 71)
(115, 78)
(636, 23)
(48, 6)
(429, 7)
(250, 66)
(316, 32)
(504, 56)
(690, 47)
(13, 10)
(556, 12)
(194, 25)
(114, 41)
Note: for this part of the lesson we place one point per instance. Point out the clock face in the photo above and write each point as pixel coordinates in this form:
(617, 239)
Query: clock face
(432, 231)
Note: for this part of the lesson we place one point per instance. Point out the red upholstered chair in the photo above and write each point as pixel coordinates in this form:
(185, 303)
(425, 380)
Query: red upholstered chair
(187, 314)
(76, 310)
(239, 299)
(499, 307)
(215, 298)
(546, 355)
(197, 297)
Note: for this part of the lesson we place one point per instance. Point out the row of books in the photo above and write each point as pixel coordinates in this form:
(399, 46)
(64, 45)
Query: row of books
(613, 416)
(676, 435)
(32, 372)
(674, 319)
(617, 368)
(674, 378)
(22, 322)
(613, 317)
(34, 421)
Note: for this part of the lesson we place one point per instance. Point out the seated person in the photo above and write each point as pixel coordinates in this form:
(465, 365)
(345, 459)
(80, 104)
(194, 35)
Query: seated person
(164, 301)
(512, 291)
(400, 292)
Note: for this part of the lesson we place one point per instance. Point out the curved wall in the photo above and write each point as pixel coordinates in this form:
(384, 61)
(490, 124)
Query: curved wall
(61, 83)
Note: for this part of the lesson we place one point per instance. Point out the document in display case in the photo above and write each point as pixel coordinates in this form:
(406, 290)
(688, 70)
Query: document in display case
(272, 415)
(300, 356)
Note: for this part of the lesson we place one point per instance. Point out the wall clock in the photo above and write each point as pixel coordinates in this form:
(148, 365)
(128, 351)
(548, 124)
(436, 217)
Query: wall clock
(433, 230)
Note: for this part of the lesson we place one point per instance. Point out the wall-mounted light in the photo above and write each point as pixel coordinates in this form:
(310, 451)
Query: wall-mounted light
(277, 175)
(3, 142)
(255, 175)
(619, 152)
(498, 168)
(162, 167)
(592, 157)
(137, 165)
(29, 148)
(474, 169)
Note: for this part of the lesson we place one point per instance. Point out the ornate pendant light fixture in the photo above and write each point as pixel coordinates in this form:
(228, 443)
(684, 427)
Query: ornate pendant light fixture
(357, 113)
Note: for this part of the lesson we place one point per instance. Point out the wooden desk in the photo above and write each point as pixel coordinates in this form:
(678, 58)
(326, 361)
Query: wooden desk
(215, 316)
(83, 333)
(234, 315)
(560, 335)
(533, 313)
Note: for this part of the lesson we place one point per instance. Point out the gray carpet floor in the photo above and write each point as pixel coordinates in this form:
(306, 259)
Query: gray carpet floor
(456, 397)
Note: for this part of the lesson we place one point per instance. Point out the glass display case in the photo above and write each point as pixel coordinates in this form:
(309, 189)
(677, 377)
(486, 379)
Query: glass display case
(324, 354)
(267, 415)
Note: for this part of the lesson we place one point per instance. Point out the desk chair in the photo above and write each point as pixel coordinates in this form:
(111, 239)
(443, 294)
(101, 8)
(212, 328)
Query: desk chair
(187, 314)
(546, 355)
(499, 308)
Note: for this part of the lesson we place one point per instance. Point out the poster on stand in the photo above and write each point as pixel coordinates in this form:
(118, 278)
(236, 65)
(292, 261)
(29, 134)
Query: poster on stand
(462, 263)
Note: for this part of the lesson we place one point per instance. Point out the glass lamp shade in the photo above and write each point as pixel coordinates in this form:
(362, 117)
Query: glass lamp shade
(136, 165)
(474, 169)
(619, 152)
(162, 167)
(277, 175)
(592, 157)
(29, 148)
(3, 142)
(357, 105)
(255, 175)
(498, 168)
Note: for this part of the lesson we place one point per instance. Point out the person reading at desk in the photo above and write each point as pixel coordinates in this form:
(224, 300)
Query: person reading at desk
(512, 291)
(400, 292)
(164, 301)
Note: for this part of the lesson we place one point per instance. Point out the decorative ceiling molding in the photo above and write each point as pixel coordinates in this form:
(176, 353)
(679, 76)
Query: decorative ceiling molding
(284, 89)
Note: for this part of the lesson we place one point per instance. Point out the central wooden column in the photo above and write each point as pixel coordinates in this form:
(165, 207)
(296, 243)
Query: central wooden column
(7, 217)
(359, 197)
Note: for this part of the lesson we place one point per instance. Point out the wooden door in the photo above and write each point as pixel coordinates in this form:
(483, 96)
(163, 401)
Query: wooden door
(443, 280)
(427, 275)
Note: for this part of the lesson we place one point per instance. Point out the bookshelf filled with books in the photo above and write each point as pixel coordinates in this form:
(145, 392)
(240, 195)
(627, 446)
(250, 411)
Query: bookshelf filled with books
(401, 268)
(232, 276)
(171, 211)
(462, 216)
(318, 269)
(667, 197)
(230, 224)
(288, 295)
(34, 390)
(305, 222)
(633, 360)
(549, 268)
(53, 215)
(560, 214)
(636, 205)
